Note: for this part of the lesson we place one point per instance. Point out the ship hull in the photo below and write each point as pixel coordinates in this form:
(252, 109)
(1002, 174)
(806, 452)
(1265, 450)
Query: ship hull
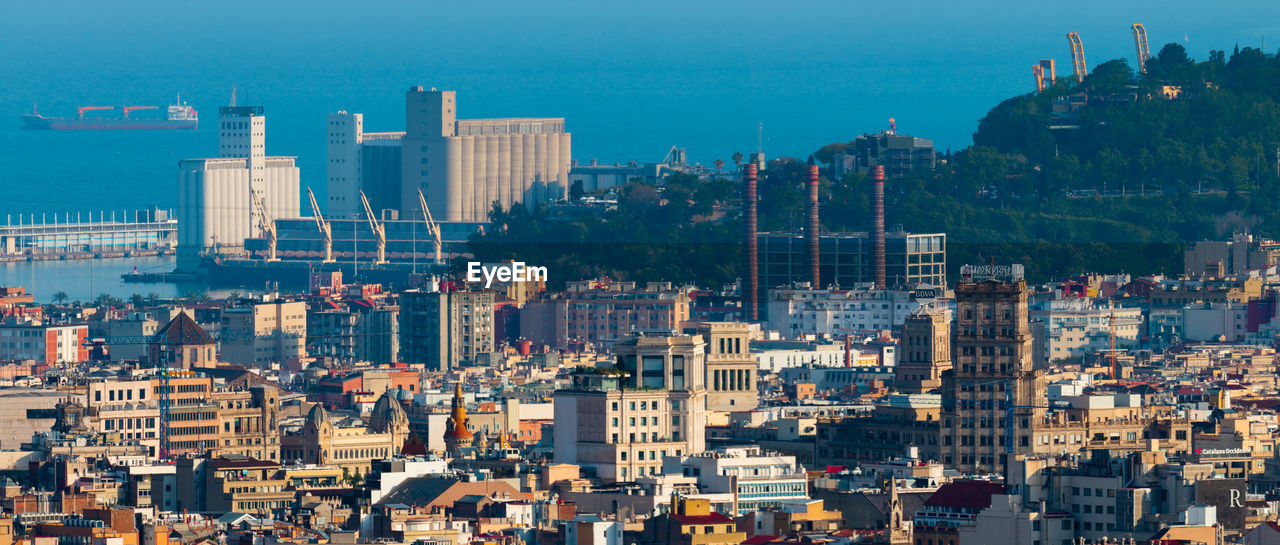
(41, 123)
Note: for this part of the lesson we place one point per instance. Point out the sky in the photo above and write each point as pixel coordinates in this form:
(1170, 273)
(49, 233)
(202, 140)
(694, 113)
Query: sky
(631, 79)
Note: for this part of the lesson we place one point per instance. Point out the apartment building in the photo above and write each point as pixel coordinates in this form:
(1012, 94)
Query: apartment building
(603, 312)
(269, 332)
(619, 423)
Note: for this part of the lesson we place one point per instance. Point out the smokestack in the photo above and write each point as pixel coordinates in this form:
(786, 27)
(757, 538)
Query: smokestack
(877, 227)
(812, 186)
(750, 276)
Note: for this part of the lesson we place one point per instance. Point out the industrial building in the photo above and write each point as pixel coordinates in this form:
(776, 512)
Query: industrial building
(462, 166)
(224, 200)
(847, 260)
(361, 161)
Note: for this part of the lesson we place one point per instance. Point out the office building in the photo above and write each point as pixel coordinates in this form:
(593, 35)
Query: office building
(215, 195)
(463, 166)
(445, 329)
(992, 377)
(924, 351)
(899, 154)
(846, 260)
(618, 424)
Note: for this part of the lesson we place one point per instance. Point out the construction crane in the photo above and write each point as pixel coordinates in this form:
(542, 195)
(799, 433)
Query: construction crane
(268, 226)
(165, 404)
(432, 227)
(128, 109)
(379, 230)
(81, 110)
(1038, 72)
(325, 230)
(1077, 56)
(1140, 42)
(1111, 325)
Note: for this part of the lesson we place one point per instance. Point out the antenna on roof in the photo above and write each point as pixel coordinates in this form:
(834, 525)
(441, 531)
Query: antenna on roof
(233, 96)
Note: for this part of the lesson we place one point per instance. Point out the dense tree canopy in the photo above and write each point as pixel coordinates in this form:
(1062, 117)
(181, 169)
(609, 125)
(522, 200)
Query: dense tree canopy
(1117, 173)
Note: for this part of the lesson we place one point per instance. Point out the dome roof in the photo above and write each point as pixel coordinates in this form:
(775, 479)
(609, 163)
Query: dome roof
(318, 414)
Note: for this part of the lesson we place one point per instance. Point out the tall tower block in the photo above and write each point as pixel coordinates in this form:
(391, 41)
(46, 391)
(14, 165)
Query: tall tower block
(751, 264)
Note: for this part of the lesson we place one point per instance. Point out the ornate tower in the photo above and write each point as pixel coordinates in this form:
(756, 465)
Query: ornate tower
(457, 433)
(897, 531)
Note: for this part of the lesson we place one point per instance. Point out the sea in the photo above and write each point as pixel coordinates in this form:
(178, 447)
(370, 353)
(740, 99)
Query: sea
(632, 80)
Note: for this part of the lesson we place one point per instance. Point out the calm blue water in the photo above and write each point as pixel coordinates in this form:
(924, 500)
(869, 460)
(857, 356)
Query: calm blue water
(84, 280)
(631, 79)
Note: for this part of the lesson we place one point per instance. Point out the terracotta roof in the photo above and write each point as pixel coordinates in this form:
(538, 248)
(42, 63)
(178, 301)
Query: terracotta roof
(965, 495)
(182, 330)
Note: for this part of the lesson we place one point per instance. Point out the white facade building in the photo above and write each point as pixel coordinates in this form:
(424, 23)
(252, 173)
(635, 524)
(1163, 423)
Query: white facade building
(762, 481)
(1215, 322)
(805, 311)
(361, 161)
(464, 166)
(215, 195)
(1077, 327)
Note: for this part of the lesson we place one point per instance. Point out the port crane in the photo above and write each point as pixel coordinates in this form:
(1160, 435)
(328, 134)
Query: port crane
(128, 109)
(1140, 42)
(379, 230)
(1077, 56)
(433, 228)
(325, 230)
(1038, 72)
(268, 226)
(81, 110)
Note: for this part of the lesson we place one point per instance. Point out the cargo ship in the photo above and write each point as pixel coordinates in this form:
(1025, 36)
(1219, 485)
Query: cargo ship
(181, 116)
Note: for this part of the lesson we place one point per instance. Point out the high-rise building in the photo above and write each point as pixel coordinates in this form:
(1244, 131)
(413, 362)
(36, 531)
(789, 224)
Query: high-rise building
(924, 351)
(215, 195)
(731, 368)
(993, 392)
(619, 423)
(463, 166)
(445, 329)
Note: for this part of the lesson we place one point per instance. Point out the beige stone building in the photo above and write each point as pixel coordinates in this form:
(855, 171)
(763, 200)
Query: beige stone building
(272, 331)
(349, 443)
(619, 423)
(731, 369)
(924, 352)
(993, 376)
